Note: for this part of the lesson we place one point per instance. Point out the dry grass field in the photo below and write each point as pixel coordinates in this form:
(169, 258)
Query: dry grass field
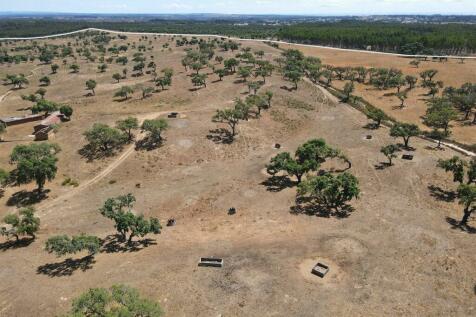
(396, 254)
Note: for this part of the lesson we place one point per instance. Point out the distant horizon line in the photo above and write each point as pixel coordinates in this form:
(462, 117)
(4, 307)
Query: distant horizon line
(234, 14)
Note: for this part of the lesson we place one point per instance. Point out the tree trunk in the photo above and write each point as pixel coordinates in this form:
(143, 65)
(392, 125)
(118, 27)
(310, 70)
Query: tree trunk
(467, 213)
(40, 186)
(299, 178)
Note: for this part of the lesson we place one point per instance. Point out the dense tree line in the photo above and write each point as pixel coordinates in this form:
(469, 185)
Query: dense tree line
(426, 39)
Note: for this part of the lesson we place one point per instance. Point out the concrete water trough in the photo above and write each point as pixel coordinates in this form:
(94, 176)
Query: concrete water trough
(211, 262)
(320, 270)
(173, 115)
(407, 157)
(368, 137)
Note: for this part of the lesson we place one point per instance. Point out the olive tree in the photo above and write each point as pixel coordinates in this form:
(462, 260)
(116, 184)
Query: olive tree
(154, 129)
(119, 300)
(66, 111)
(63, 245)
(102, 138)
(389, 151)
(377, 115)
(459, 167)
(467, 198)
(329, 190)
(127, 125)
(45, 106)
(54, 68)
(308, 157)
(34, 162)
(124, 92)
(229, 116)
(116, 76)
(91, 85)
(119, 210)
(405, 131)
(25, 223)
(348, 90)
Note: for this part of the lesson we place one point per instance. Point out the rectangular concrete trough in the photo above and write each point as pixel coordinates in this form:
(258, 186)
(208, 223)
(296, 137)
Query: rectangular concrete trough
(320, 270)
(407, 157)
(211, 262)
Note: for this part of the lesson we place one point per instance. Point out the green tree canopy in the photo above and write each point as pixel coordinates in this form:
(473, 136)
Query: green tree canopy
(119, 210)
(63, 245)
(45, 106)
(118, 301)
(405, 131)
(389, 151)
(23, 224)
(154, 129)
(127, 125)
(103, 138)
(91, 85)
(467, 198)
(34, 162)
(124, 92)
(329, 190)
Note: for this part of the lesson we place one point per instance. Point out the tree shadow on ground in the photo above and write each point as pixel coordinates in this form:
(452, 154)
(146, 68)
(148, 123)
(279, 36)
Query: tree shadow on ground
(278, 183)
(441, 194)
(25, 198)
(308, 206)
(434, 148)
(13, 244)
(120, 100)
(382, 166)
(24, 109)
(66, 267)
(371, 126)
(290, 89)
(114, 244)
(91, 153)
(148, 144)
(455, 225)
(220, 136)
(406, 148)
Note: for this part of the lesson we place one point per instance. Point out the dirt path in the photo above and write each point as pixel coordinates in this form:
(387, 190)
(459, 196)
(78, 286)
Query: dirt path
(43, 208)
(2, 97)
(5, 95)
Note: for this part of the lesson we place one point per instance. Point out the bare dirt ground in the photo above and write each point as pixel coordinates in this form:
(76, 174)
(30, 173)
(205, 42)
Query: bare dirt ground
(397, 254)
(452, 73)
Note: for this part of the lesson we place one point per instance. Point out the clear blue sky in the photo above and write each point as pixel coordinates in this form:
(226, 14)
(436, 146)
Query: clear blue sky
(310, 7)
